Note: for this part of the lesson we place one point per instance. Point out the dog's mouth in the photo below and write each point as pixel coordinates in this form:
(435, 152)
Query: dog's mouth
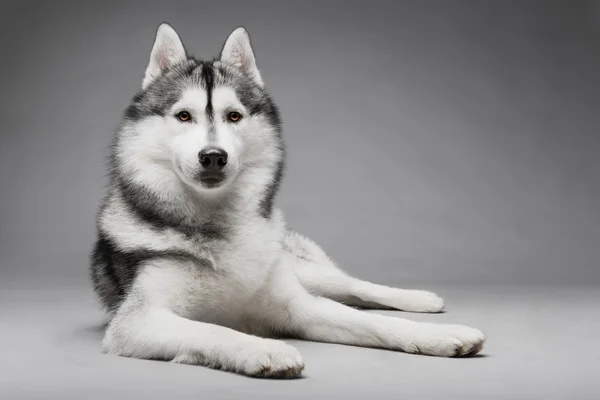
(211, 179)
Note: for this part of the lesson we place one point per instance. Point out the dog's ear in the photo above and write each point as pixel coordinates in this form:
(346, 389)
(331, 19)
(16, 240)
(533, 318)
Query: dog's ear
(166, 52)
(238, 51)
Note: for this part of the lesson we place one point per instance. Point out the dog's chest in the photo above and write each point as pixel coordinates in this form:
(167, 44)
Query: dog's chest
(241, 269)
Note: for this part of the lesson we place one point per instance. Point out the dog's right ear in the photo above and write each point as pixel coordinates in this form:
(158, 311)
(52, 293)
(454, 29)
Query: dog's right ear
(166, 52)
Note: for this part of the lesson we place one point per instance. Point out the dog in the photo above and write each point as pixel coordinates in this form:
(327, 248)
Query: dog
(193, 262)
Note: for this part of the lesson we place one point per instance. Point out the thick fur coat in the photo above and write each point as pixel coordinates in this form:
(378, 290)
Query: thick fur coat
(194, 264)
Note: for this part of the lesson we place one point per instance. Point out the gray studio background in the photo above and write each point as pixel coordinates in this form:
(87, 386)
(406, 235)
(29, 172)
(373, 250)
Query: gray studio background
(445, 145)
(429, 142)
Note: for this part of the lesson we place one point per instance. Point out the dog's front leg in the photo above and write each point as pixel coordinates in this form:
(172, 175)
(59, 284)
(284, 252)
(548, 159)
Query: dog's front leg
(146, 326)
(320, 319)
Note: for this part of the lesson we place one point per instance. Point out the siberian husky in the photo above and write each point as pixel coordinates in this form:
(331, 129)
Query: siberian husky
(194, 264)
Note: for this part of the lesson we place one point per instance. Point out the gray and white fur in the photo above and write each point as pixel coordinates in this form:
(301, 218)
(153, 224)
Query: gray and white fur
(194, 264)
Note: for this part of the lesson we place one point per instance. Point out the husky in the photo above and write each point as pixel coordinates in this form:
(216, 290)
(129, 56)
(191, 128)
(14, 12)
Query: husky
(194, 264)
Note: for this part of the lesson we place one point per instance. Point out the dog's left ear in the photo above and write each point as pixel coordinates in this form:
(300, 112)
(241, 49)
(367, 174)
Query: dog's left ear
(238, 51)
(166, 52)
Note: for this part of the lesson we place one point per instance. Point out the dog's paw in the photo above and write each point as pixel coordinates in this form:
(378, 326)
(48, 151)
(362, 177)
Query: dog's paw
(444, 340)
(269, 359)
(418, 301)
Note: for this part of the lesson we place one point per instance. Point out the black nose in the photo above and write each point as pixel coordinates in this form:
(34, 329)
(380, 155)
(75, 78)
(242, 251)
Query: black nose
(213, 158)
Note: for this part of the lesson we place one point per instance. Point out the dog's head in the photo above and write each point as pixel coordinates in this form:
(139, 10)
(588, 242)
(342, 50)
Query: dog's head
(204, 123)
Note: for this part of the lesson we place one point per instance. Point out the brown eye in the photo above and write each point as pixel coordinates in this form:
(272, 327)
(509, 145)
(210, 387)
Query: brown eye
(234, 116)
(184, 116)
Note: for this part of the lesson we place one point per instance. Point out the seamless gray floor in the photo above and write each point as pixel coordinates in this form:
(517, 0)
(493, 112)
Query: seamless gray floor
(542, 344)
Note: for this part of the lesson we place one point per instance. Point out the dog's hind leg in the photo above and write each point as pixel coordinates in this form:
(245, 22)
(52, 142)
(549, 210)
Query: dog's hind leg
(329, 281)
(320, 276)
(297, 313)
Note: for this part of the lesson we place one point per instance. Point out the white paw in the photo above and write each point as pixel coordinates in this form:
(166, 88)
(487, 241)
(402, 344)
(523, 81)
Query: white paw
(269, 358)
(444, 340)
(419, 301)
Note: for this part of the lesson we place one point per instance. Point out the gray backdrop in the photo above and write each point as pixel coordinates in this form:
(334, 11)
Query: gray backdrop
(461, 146)
(460, 138)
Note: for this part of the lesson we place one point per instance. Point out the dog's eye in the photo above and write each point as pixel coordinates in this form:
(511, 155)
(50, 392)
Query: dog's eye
(234, 116)
(184, 116)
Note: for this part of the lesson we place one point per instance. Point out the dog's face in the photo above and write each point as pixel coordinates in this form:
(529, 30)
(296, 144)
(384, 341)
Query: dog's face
(201, 122)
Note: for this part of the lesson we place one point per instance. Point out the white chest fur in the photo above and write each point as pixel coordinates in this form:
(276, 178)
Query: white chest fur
(243, 265)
